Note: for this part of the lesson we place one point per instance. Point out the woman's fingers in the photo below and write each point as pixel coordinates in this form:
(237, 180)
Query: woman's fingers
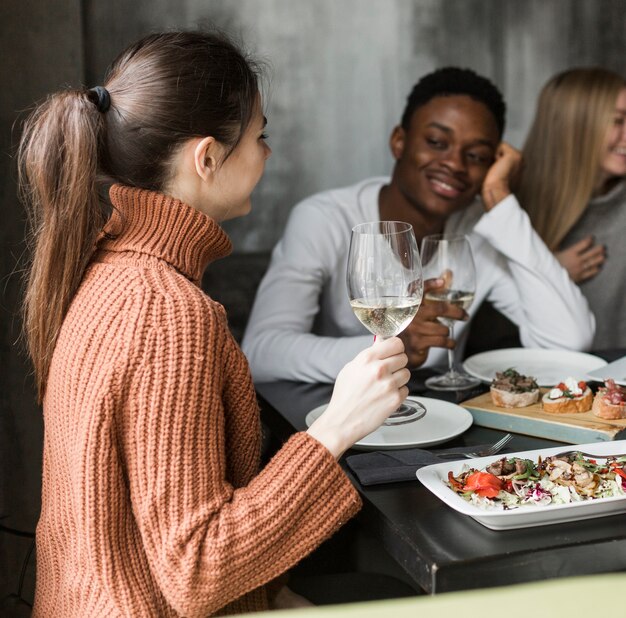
(385, 357)
(384, 348)
(583, 259)
(396, 362)
(592, 260)
(393, 364)
(366, 392)
(400, 378)
(590, 271)
(594, 257)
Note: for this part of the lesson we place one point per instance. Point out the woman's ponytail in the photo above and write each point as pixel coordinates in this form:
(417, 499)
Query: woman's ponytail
(58, 166)
(165, 89)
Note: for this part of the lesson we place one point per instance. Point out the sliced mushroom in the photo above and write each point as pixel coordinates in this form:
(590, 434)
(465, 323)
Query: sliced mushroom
(559, 469)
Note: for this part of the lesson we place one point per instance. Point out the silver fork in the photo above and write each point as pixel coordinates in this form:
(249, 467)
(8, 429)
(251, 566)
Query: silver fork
(486, 452)
(573, 451)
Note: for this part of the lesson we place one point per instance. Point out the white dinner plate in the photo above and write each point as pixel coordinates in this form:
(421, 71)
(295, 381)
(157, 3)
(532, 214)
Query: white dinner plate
(548, 367)
(434, 478)
(443, 421)
(615, 370)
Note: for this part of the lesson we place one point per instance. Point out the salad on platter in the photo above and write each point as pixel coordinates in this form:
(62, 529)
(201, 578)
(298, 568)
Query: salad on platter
(513, 482)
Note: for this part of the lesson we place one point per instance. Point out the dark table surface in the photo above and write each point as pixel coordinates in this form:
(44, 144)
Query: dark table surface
(440, 549)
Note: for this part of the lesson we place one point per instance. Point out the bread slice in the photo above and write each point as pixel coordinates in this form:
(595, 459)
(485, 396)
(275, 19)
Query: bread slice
(568, 405)
(610, 401)
(511, 389)
(507, 399)
(602, 408)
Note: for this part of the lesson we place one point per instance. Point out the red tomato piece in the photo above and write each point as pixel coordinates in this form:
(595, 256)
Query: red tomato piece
(620, 472)
(484, 484)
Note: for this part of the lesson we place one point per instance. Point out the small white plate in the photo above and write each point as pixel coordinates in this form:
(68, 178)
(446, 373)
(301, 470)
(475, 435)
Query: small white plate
(548, 367)
(434, 477)
(615, 370)
(443, 421)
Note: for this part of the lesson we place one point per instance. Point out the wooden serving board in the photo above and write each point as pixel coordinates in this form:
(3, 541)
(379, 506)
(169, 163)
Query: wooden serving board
(533, 421)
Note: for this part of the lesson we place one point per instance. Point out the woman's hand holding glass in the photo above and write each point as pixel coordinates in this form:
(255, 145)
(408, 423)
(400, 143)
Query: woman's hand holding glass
(385, 288)
(367, 390)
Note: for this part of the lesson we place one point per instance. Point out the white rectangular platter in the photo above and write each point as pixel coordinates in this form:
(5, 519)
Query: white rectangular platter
(434, 478)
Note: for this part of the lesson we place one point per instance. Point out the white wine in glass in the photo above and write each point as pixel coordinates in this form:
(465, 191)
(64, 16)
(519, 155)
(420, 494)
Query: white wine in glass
(385, 316)
(385, 287)
(450, 258)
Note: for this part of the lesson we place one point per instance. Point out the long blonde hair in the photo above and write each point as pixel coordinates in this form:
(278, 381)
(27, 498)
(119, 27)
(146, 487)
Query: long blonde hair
(163, 90)
(564, 148)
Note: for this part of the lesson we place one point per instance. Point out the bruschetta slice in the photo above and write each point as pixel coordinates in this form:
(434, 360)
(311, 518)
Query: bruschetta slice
(510, 389)
(568, 397)
(610, 401)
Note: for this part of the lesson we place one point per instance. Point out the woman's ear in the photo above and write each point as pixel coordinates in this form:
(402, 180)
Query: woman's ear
(207, 156)
(396, 142)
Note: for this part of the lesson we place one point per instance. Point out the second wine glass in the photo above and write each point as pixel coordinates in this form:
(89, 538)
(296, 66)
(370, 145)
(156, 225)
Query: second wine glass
(385, 287)
(450, 258)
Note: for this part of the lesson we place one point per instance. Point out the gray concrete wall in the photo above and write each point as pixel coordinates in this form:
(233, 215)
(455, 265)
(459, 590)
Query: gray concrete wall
(341, 70)
(41, 48)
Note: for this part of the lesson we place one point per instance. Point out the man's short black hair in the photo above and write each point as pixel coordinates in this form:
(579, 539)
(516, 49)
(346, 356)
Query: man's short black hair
(453, 81)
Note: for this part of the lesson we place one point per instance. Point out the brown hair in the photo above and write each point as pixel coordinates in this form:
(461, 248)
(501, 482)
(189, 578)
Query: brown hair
(563, 150)
(164, 90)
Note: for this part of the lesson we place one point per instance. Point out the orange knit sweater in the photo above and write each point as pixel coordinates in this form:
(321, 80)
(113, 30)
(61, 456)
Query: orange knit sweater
(153, 504)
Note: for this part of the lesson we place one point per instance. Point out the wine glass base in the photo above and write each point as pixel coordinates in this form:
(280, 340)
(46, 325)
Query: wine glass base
(407, 412)
(452, 382)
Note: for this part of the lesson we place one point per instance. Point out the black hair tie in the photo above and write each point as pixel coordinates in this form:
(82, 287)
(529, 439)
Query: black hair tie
(103, 98)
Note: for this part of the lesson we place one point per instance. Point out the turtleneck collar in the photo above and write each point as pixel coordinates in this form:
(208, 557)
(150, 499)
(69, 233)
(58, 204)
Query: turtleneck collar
(155, 224)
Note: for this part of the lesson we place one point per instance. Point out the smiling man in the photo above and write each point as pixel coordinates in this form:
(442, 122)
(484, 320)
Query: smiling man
(452, 174)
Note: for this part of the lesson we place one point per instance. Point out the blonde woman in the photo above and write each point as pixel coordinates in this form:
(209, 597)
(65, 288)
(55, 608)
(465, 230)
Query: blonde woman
(574, 188)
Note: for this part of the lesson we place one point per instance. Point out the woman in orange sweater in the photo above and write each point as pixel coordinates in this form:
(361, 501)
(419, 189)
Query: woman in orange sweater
(153, 502)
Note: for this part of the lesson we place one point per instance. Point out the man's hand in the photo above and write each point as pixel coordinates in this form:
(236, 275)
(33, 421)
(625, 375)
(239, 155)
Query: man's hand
(425, 331)
(583, 260)
(501, 175)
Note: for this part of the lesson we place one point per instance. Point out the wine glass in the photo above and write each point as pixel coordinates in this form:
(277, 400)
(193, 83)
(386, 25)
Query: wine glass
(450, 258)
(385, 287)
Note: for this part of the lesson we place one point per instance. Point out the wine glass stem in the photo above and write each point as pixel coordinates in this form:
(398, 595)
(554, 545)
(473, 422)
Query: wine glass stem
(451, 351)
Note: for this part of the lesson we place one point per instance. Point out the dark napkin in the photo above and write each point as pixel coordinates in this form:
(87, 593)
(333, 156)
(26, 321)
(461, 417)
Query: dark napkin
(379, 467)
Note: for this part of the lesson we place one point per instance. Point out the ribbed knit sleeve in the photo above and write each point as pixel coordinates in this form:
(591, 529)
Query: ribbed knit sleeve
(211, 529)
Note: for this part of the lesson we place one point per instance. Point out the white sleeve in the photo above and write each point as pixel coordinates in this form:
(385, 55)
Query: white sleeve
(278, 340)
(538, 294)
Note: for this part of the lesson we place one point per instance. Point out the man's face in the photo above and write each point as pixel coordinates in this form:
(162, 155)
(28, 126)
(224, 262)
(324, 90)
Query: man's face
(442, 160)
